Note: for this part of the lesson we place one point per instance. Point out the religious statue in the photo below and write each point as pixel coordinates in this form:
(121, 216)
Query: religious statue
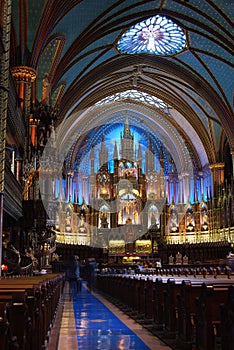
(104, 222)
(178, 258)
(128, 220)
(82, 228)
(173, 221)
(205, 218)
(171, 260)
(185, 260)
(68, 222)
(45, 98)
(82, 221)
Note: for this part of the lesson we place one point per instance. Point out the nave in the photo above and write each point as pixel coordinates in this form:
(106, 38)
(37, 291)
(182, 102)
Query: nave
(91, 322)
(127, 311)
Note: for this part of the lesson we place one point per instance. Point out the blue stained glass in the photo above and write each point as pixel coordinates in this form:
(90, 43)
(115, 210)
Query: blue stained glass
(156, 35)
(136, 95)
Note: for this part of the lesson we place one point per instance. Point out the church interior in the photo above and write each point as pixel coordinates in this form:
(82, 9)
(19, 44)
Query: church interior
(117, 145)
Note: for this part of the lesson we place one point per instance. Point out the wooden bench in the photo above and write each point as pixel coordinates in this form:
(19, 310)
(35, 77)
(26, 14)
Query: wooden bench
(207, 315)
(27, 307)
(7, 335)
(158, 308)
(171, 290)
(186, 313)
(227, 321)
(149, 299)
(37, 308)
(186, 310)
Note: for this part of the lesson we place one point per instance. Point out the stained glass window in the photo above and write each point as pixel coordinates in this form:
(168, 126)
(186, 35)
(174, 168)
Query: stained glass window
(136, 95)
(156, 35)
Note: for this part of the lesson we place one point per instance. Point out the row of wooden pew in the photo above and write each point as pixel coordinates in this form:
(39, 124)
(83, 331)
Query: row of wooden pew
(196, 271)
(186, 313)
(27, 310)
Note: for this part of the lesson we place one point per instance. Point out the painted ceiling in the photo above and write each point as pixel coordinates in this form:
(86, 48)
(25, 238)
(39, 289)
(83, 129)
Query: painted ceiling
(74, 42)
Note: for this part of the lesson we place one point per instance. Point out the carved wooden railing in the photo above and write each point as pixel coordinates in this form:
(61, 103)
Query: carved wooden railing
(16, 262)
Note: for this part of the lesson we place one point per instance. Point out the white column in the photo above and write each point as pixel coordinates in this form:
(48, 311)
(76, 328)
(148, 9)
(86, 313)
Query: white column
(186, 187)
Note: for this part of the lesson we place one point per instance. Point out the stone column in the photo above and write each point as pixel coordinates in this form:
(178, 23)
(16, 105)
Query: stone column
(69, 186)
(181, 197)
(201, 184)
(186, 187)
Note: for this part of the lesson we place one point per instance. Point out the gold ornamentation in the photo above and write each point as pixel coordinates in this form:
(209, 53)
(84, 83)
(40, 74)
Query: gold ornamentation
(24, 73)
(217, 166)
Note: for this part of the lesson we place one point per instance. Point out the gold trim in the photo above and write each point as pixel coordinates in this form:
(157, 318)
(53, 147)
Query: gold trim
(217, 166)
(24, 73)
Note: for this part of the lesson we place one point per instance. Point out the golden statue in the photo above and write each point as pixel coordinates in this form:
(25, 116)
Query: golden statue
(45, 98)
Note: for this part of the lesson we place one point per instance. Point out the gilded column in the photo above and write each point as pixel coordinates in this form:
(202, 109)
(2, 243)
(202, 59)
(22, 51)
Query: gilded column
(217, 177)
(4, 86)
(25, 77)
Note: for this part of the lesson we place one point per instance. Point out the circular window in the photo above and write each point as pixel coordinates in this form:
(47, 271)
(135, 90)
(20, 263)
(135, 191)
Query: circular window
(156, 35)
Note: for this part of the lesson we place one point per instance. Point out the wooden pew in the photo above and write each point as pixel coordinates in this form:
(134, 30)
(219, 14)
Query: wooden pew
(7, 339)
(227, 321)
(181, 308)
(18, 318)
(186, 313)
(148, 295)
(207, 318)
(139, 298)
(38, 309)
(132, 296)
(158, 308)
(172, 289)
(29, 304)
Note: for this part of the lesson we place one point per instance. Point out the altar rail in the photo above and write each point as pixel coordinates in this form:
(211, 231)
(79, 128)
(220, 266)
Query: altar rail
(27, 310)
(187, 312)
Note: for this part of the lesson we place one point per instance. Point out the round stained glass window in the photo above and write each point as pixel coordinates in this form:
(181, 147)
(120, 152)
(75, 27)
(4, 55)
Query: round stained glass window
(156, 35)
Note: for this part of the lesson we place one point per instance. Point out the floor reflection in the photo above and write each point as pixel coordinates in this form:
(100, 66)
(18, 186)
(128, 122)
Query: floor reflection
(98, 328)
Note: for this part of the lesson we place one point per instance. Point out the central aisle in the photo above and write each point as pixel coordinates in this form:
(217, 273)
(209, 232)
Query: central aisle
(92, 323)
(98, 328)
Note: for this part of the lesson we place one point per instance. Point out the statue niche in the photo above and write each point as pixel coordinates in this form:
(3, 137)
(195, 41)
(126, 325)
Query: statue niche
(103, 219)
(129, 209)
(82, 228)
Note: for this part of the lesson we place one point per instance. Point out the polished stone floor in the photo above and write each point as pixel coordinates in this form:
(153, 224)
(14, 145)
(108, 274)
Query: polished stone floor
(92, 323)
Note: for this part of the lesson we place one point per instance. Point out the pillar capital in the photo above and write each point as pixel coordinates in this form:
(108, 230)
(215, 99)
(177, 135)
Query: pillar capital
(24, 73)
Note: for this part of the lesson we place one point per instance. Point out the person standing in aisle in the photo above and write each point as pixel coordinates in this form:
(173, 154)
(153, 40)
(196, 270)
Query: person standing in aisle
(74, 277)
(92, 273)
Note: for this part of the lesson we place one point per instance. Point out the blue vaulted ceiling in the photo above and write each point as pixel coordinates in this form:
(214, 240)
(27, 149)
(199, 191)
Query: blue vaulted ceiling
(75, 43)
